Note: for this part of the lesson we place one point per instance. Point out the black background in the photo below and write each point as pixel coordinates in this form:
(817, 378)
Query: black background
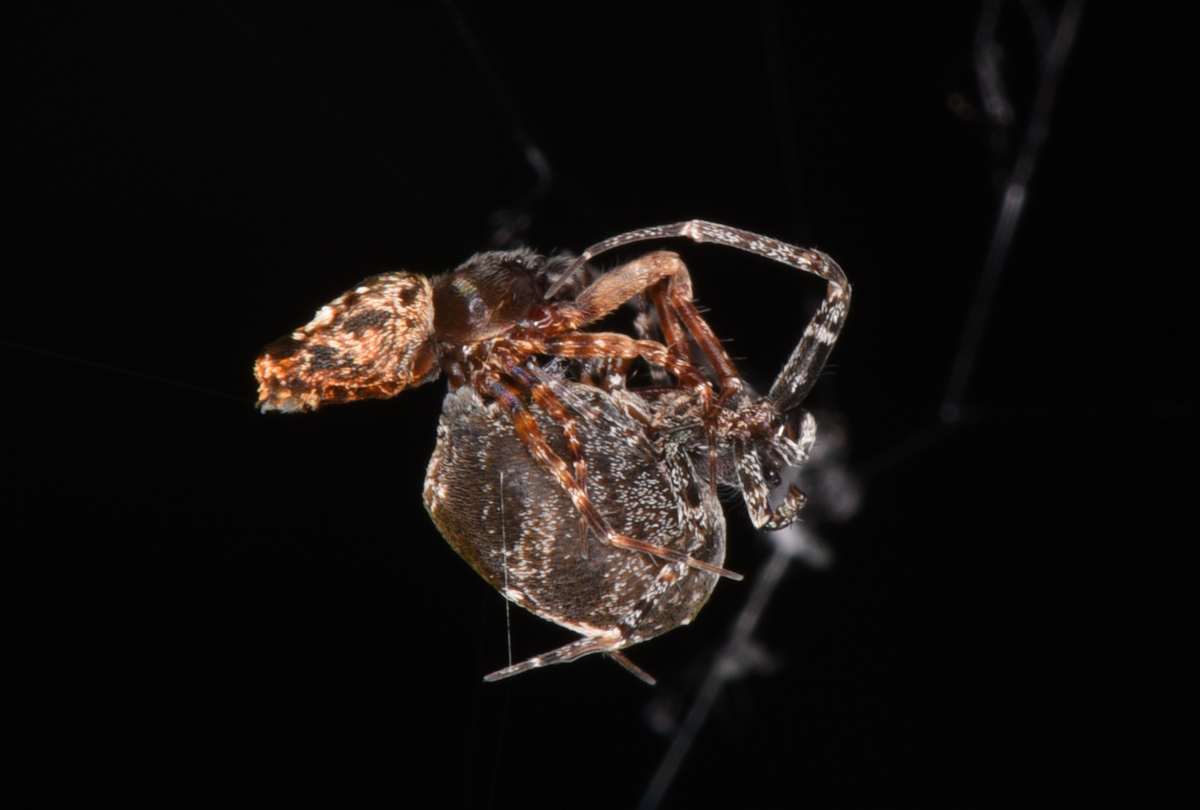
(226, 604)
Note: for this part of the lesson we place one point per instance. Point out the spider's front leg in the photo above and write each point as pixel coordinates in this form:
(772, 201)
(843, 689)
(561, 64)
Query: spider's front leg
(802, 369)
(807, 360)
(664, 278)
(790, 388)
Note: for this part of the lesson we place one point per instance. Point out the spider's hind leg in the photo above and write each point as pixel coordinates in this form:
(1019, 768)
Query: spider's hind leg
(609, 644)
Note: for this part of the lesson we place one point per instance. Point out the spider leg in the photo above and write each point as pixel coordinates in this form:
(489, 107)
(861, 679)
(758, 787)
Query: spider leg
(698, 230)
(535, 440)
(809, 356)
(665, 278)
(550, 403)
(613, 289)
(581, 345)
(673, 299)
(553, 407)
(608, 644)
(608, 641)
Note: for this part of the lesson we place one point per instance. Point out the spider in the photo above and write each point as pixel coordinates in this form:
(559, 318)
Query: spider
(635, 457)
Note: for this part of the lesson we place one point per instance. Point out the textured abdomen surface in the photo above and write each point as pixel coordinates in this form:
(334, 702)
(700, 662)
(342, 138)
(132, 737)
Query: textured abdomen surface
(488, 495)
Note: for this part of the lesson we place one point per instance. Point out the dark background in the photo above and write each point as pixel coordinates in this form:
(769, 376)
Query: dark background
(227, 604)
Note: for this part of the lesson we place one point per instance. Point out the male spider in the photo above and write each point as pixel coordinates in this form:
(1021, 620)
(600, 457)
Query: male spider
(633, 457)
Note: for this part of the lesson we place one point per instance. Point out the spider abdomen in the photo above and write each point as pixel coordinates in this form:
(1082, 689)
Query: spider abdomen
(507, 516)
